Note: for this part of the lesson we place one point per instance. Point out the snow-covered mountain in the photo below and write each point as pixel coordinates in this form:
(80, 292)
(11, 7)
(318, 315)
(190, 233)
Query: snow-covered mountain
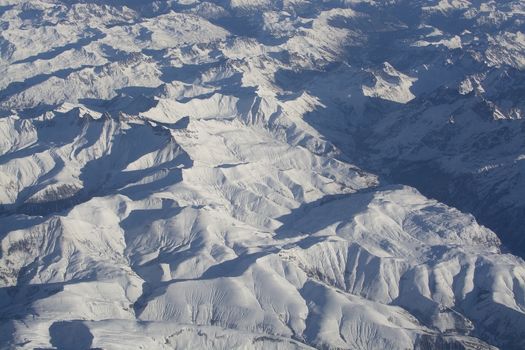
(248, 174)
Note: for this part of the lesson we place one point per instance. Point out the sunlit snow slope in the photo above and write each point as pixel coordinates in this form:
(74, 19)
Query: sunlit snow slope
(236, 174)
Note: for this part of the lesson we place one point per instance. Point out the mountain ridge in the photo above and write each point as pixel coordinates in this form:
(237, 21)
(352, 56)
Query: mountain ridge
(234, 174)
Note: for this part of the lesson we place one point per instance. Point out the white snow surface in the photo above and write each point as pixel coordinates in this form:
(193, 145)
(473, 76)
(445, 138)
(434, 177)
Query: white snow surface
(191, 174)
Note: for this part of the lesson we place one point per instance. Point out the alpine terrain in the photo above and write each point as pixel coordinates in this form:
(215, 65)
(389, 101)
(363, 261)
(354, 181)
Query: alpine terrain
(258, 174)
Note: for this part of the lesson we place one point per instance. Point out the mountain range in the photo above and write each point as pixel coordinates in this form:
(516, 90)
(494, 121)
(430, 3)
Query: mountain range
(256, 174)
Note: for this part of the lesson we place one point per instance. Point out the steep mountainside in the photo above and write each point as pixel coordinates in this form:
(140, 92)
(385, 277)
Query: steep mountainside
(248, 174)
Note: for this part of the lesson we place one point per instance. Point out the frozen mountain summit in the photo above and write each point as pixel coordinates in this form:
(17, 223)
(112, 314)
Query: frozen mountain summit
(250, 174)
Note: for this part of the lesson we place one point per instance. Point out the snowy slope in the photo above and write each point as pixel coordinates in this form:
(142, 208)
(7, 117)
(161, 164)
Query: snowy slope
(232, 174)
